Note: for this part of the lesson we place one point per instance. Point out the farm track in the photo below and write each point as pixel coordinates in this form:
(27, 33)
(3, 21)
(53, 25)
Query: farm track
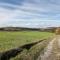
(52, 51)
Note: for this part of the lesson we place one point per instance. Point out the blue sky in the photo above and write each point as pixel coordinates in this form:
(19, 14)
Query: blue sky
(30, 13)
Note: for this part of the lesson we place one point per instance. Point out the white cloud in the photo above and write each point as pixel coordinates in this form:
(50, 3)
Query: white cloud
(32, 12)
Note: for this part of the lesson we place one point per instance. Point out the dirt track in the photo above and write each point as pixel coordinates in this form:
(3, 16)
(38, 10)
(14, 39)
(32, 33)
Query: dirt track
(52, 51)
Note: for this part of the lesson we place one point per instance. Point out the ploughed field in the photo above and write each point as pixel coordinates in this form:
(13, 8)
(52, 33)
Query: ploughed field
(10, 40)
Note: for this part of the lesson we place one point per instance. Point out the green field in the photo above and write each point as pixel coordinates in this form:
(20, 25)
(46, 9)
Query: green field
(9, 40)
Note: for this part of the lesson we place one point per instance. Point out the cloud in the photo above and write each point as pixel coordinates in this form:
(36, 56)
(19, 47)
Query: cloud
(29, 13)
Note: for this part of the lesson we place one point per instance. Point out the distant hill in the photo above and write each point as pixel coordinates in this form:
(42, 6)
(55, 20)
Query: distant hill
(49, 29)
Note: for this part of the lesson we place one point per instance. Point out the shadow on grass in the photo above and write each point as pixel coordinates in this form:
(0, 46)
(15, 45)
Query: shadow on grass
(7, 55)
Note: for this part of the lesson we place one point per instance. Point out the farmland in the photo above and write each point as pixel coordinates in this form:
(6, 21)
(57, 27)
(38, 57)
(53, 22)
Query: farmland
(9, 40)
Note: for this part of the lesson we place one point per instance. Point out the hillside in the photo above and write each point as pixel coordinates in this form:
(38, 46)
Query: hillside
(49, 29)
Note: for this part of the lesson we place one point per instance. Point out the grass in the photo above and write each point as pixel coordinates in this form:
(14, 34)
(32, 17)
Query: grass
(10, 40)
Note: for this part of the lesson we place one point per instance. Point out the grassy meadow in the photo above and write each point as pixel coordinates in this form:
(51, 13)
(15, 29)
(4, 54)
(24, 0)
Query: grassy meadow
(9, 40)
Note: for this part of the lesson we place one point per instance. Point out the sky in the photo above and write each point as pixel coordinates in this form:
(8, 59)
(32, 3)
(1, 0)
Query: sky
(30, 13)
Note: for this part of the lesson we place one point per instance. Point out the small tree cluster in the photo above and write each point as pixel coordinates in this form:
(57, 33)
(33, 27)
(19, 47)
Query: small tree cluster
(57, 31)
